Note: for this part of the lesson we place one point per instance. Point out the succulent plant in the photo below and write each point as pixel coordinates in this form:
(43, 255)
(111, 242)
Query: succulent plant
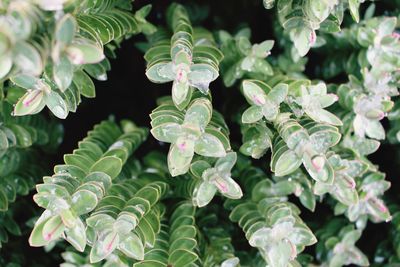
(275, 169)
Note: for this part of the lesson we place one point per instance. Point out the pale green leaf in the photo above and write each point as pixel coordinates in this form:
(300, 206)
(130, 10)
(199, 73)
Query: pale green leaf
(167, 132)
(209, 146)
(31, 103)
(56, 104)
(65, 29)
(204, 193)
(178, 162)
(103, 247)
(83, 201)
(63, 72)
(252, 114)
(132, 247)
(53, 229)
(76, 236)
(109, 165)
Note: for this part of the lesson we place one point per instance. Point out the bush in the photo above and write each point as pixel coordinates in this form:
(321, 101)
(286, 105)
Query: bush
(278, 169)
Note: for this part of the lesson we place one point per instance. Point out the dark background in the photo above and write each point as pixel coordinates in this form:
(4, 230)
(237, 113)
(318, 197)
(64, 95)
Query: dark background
(127, 94)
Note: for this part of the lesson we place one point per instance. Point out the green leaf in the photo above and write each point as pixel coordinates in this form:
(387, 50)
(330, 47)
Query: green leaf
(100, 221)
(198, 167)
(167, 132)
(201, 75)
(261, 66)
(180, 92)
(260, 237)
(375, 130)
(323, 140)
(146, 27)
(25, 81)
(36, 238)
(99, 177)
(79, 161)
(65, 29)
(222, 136)
(184, 242)
(76, 235)
(278, 93)
(56, 104)
(83, 51)
(209, 146)
(74, 171)
(132, 247)
(12, 226)
(243, 44)
(155, 73)
(321, 115)
(287, 163)
(281, 253)
(256, 141)
(23, 137)
(262, 50)
(204, 193)
(3, 201)
(97, 71)
(319, 168)
(178, 162)
(53, 228)
(63, 72)
(252, 114)
(224, 165)
(228, 187)
(182, 258)
(69, 219)
(27, 59)
(387, 26)
(31, 103)
(254, 94)
(199, 113)
(270, 111)
(266, 188)
(307, 199)
(330, 26)
(211, 51)
(303, 38)
(83, 201)
(3, 141)
(109, 165)
(84, 84)
(377, 208)
(103, 247)
(5, 65)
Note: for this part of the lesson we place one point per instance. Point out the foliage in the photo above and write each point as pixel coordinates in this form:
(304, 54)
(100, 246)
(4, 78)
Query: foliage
(45, 53)
(307, 135)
